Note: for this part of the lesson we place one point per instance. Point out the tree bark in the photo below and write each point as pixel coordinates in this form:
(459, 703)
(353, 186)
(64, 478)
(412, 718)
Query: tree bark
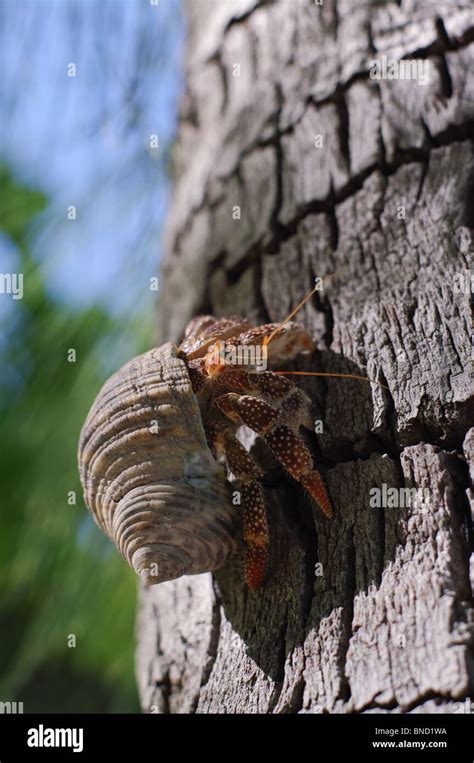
(371, 611)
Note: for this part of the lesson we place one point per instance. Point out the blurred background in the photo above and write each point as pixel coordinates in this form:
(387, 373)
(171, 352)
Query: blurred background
(88, 99)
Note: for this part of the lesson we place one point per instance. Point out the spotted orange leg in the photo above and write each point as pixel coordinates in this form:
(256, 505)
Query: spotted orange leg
(285, 444)
(222, 442)
(256, 537)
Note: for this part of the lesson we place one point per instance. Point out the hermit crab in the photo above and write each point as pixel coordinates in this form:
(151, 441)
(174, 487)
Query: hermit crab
(160, 440)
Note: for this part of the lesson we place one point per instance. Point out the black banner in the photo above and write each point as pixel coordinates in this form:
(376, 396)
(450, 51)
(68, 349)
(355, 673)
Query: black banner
(102, 737)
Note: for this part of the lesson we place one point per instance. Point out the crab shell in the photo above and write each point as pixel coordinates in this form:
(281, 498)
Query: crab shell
(148, 475)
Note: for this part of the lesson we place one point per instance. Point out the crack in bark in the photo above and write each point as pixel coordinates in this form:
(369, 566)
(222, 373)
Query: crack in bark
(446, 81)
(281, 660)
(165, 689)
(275, 222)
(458, 470)
(345, 693)
(455, 134)
(443, 37)
(295, 703)
(442, 43)
(235, 20)
(424, 173)
(343, 129)
(217, 59)
(467, 212)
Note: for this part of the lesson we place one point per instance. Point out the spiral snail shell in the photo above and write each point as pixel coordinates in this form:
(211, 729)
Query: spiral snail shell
(148, 475)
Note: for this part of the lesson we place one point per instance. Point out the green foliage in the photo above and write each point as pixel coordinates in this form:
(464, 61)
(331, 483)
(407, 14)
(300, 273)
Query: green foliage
(59, 574)
(18, 205)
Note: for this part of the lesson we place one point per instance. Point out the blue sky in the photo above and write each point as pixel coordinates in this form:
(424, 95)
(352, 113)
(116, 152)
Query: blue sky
(85, 140)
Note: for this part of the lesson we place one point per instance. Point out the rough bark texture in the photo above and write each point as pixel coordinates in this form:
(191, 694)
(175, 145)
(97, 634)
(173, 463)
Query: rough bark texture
(370, 611)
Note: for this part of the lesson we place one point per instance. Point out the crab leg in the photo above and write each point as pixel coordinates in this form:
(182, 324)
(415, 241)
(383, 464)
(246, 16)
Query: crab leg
(286, 445)
(291, 451)
(256, 537)
(223, 443)
(293, 404)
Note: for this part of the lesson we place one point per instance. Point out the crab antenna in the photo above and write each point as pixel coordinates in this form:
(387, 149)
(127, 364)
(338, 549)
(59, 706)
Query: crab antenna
(268, 339)
(339, 376)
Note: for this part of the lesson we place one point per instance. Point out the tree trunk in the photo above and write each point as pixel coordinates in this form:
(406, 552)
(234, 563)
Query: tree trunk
(369, 181)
